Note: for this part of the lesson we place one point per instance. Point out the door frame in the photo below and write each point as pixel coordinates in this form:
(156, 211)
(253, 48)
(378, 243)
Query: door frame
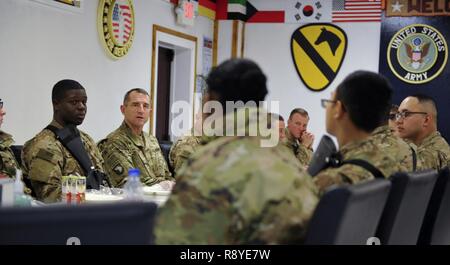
(161, 37)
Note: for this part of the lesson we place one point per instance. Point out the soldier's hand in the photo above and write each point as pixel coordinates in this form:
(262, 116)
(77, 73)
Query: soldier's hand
(167, 184)
(307, 139)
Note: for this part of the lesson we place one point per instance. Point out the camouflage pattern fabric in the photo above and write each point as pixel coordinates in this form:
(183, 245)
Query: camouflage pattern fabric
(366, 150)
(45, 160)
(182, 150)
(434, 152)
(233, 191)
(123, 150)
(394, 146)
(303, 154)
(8, 163)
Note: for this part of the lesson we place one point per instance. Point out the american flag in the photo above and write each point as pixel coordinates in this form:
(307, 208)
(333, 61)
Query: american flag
(122, 22)
(356, 11)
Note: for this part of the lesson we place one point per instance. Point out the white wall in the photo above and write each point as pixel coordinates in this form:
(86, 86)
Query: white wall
(269, 46)
(41, 45)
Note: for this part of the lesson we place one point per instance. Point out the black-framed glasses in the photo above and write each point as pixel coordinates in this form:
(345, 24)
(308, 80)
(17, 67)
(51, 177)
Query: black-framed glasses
(324, 102)
(1, 103)
(406, 114)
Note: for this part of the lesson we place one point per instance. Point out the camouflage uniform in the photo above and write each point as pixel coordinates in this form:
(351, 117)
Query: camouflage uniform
(8, 162)
(434, 152)
(232, 191)
(46, 160)
(182, 149)
(366, 150)
(303, 154)
(394, 146)
(123, 150)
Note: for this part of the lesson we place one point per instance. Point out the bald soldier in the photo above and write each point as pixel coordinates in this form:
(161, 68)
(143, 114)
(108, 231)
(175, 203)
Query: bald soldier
(130, 147)
(404, 153)
(233, 190)
(355, 109)
(298, 139)
(45, 159)
(417, 122)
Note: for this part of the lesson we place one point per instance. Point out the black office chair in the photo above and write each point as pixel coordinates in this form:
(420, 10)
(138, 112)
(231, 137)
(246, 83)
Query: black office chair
(165, 148)
(436, 224)
(348, 214)
(108, 224)
(405, 209)
(17, 150)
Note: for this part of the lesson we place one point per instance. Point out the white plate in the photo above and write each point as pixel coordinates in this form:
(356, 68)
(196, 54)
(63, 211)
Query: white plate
(155, 190)
(92, 197)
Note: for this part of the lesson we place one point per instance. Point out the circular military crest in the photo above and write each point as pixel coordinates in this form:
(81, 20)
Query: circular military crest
(116, 26)
(417, 53)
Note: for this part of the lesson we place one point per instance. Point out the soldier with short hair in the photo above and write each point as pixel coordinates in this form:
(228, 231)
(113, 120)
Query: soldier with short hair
(45, 158)
(417, 122)
(354, 111)
(298, 139)
(232, 190)
(130, 147)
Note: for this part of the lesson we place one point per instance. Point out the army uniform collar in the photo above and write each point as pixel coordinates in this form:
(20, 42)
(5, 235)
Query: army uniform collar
(56, 124)
(137, 140)
(384, 129)
(290, 138)
(250, 119)
(352, 145)
(6, 139)
(430, 138)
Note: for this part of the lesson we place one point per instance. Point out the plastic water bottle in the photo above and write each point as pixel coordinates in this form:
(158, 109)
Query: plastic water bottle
(20, 199)
(133, 186)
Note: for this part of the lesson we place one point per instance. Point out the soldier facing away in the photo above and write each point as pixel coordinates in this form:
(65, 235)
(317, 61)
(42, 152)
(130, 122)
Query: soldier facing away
(355, 109)
(45, 158)
(417, 122)
(232, 190)
(130, 147)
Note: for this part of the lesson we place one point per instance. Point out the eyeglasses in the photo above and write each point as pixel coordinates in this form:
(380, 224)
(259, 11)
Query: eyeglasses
(406, 114)
(324, 102)
(1, 104)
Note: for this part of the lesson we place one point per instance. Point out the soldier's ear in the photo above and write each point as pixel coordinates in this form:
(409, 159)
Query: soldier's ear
(122, 109)
(338, 109)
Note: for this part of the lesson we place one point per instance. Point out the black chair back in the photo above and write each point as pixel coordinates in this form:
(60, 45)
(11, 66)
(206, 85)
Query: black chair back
(348, 214)
(165, 148)
(109, 224)
(436, 224)
(405, 209)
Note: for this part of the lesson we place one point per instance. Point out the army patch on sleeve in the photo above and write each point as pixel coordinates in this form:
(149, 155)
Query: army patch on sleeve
(45, 155)
(118, 170)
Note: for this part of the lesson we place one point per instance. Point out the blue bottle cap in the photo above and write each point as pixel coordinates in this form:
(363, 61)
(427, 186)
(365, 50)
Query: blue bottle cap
(133, 172)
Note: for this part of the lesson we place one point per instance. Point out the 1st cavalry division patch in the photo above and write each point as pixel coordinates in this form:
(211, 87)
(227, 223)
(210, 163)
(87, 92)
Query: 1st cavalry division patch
(116, 26)
(318, 51)
(417, 53)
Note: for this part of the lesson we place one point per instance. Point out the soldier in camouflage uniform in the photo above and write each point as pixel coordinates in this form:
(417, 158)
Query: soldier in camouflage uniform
(417, 122)
(358, 105)
(182, 150)
(8, 163)
(297, 138)
(404, 153)
(232, 190)
(45, 159)
(130, 147)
